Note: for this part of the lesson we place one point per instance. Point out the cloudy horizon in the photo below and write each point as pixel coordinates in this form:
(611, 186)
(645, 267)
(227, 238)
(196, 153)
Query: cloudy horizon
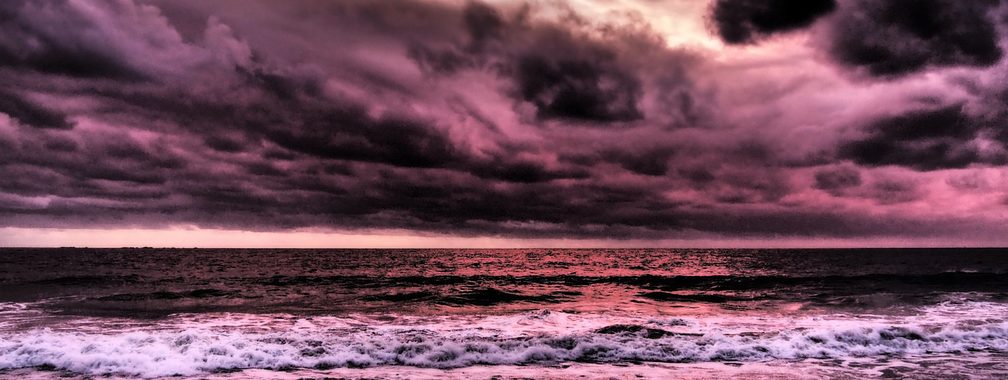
(504, 123)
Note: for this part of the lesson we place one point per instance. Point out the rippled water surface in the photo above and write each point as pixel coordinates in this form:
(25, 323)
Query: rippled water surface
(464, 313)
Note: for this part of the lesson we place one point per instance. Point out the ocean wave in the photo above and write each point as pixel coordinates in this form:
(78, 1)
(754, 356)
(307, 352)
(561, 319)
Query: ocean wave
(695, 297)
(228, 342)
(946, 280)
(492, 296)
(88, 280)
(166, 295)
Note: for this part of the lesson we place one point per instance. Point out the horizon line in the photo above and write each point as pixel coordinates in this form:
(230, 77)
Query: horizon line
(513, 248)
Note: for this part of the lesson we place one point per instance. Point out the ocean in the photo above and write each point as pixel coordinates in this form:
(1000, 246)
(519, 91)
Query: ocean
(522, 313)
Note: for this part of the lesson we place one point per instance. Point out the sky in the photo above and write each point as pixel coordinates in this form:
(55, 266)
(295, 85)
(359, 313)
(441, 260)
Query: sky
(311, 123)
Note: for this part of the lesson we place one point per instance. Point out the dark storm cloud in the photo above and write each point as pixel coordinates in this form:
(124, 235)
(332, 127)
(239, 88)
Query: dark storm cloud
(846, 181)
(291, 114)
(578, 89)
(644, 161)
(898, 37)
(649, 162)
(224, 143)
(350, 135)
(563, 75)
(36, 35)
(30, 113)
(445, 61)
(744, 21)
(524, 172)
(890, 191)
(894, 39)
(102, 168)
(466, 119)
(483, 23)
(837, 179)
(923, 140)
(890, 38)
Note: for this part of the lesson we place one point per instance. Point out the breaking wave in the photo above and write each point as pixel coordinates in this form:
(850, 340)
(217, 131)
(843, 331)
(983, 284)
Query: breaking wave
(197, 344)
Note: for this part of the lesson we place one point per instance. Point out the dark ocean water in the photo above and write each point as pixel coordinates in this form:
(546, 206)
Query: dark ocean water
(153, 312)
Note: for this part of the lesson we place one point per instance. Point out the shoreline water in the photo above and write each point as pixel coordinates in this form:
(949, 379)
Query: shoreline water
(199, 345)
(934, 368)
(228, 314)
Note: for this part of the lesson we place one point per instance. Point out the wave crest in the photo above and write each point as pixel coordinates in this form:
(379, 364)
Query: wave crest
(546, 338)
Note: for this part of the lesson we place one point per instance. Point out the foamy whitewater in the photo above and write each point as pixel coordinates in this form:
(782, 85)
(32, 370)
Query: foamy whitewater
(235, 314)
(197, 344)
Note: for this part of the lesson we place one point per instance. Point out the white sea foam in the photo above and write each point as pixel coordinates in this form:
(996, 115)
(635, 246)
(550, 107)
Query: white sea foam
(201, 343)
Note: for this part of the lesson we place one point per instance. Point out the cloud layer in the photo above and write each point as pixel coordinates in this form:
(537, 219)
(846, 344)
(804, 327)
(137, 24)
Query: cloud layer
(815, 119)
